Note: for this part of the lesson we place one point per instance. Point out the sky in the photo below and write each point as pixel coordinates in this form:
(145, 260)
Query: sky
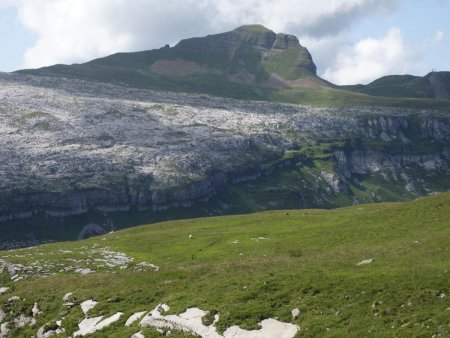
(351, 41)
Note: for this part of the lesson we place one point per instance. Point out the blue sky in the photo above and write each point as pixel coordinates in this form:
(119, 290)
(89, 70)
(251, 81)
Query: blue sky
(14, 39)
(419, 21)
(352, 41)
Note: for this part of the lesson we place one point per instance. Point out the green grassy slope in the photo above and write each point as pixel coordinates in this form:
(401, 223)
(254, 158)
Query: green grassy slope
(218, 85)
(282, 260)
(332, 97)
(432, 85)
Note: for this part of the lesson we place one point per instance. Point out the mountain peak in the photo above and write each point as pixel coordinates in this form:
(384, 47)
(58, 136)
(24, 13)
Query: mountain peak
(258, 34)
(252, 29)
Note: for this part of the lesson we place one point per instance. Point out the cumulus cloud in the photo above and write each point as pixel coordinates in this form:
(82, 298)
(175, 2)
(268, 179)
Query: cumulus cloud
(73, 31)
(372, 58)
(317, 18)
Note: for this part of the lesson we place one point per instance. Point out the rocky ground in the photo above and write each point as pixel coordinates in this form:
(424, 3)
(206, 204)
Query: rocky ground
(85, 260)
(68, 146)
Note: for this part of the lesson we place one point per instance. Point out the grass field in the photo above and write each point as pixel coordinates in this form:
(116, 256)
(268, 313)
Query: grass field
(259, 266)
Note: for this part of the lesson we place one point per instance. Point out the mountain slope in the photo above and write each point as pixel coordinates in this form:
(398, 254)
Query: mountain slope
(434, 85)
(250, 62)
(245, 62)
(363, 271)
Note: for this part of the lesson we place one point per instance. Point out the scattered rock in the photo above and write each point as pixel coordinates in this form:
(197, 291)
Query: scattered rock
(4, 330)
(163, 307)
(67, 296)
(365, 261)
(3, 290)
(190, 321)
(43, 333)
(135, 317)
(84, 271)
(35, 310)
(145, 265)
(14, 299)
(23, 321)
(91, 325)
(295, 313)
(2, 315)
(138, 335)
(88, 305)
(269, 328)
(257, 239)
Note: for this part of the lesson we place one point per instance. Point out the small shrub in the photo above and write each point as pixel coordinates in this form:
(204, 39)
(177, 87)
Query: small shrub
(208, 319)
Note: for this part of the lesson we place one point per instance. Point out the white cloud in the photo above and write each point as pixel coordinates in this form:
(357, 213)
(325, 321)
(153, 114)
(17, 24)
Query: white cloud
(439, 36)
(372, 58)
(74, 31)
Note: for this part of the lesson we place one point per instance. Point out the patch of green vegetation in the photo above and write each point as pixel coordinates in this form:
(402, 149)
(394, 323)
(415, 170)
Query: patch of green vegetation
(307, 260)
(251, 30)
(405, 86)
(44, 126)
(166, 109)
(246, 58)
(105, 137)
(318, 150)
(34, 115)
(331, 97)
(219, 84)
(283, 64)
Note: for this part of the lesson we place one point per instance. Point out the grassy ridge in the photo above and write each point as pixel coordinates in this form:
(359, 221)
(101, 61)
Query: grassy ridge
(306, 259)
(219, 85)
(432, 85)
(237, 64)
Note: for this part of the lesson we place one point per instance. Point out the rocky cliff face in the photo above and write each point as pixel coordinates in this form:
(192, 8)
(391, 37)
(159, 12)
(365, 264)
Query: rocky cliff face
(80, 148)
(247, 49)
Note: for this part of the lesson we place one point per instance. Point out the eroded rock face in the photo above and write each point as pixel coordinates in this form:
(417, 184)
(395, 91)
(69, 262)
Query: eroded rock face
(285, 41)
(69, 146)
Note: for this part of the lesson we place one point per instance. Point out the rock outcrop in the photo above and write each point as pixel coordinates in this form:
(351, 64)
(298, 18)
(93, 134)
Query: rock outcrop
(69, 147)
